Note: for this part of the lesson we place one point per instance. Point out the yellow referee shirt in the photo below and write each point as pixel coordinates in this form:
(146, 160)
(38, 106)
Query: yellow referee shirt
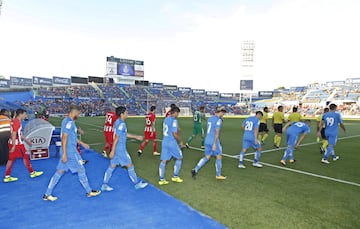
(264, 117)
(294, 117)
(278, 117)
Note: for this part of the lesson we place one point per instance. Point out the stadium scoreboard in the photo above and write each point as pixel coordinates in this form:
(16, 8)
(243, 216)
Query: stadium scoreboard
(124, 67)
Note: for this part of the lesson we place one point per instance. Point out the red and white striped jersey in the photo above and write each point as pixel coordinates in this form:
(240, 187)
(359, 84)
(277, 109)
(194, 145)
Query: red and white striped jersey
(150, 122)
(16, 127)
(110, 119)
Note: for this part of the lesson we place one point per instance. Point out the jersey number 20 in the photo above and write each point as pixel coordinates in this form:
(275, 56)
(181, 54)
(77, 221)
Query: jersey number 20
(249, 125)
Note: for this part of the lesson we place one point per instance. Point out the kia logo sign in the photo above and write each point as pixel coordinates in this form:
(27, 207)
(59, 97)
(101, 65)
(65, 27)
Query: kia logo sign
(37, 140)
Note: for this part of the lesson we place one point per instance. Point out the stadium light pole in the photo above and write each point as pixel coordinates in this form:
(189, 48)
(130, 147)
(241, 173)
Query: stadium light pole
(247, 64)
(1, 3)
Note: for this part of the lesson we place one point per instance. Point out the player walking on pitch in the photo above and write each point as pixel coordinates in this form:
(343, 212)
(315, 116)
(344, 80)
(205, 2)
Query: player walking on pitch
(170, 147)
(70, 159)
(321, 127)
(198, 129)
(251, 127)
(149, 132)
(293, 130)
(110, 119)
(17, 148)
(263, 128)
(212, 144)
(277, 122)
(331, 120)
(119, 154)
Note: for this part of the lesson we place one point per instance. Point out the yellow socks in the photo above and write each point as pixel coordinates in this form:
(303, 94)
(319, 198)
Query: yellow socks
(265, 137)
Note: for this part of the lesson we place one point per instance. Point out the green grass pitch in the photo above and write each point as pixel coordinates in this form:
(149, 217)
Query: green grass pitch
(269, 197)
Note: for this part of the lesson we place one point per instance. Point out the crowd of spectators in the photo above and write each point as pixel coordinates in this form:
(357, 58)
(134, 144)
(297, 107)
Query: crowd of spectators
(97, 100)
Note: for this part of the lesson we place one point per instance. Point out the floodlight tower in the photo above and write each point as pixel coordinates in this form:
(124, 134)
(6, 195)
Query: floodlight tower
(1, 2)
(247, 64)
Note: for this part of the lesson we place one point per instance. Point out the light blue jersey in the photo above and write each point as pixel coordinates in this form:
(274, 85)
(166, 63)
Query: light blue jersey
(249, 139)
(249, 125)
(297, 128)
(121, 131)
(170, 126)
(292, 134)
(170, 147)
(68, 127)
(121, 156)
(74, 162)
(214, 123)
(332, 121)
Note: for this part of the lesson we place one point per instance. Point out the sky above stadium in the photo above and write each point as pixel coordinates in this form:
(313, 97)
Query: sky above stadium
(186, 43)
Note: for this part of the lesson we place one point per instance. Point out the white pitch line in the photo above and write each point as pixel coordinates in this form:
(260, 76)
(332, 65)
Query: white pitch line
(281, 167)
(289, 169)
(306, 144)
(303, 172)
(95, 144)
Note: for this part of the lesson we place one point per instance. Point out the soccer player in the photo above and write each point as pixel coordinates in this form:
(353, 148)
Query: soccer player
(110, 119)
(199, 116)
(320, 127)
(277, 122)
(119, 154)
(170, 147)
(263, 129)
(70, 159)
(168, 113)
(17, 148)
(331, 120)
(212, 144)
(150, 132)
(294, 116)
(251, 128)
(293, 130)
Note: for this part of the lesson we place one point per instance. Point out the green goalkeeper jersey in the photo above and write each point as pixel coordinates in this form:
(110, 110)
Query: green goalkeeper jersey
(198, 117)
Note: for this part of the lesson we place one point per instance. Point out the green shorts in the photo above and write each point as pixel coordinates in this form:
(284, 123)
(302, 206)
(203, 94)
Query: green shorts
(198, 130)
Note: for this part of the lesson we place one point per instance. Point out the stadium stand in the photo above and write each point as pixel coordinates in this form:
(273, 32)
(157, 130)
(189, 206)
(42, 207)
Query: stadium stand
(97, 99)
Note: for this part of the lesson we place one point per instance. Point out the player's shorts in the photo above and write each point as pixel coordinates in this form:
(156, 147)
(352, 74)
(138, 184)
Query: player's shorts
(250, 143)
(197, 130)
(109, 137)
(210, 152)
(19, 152)
(332, 139)
(263, 128)
(322, 131)
(278, 128)
(74, 163)
(291, 139)
(121, 158)
(149, 135)
(170, 150)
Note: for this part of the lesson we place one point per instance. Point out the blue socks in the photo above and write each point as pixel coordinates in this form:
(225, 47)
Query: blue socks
(257, 156)
(329, 151)
(201, 163)
(241, 158)
(56, 177)
(288, 153)
(84, 180)
(132, 174)
(218, 166)
(108, 174)
(177, 167)
(53, 182)
(162, 170)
